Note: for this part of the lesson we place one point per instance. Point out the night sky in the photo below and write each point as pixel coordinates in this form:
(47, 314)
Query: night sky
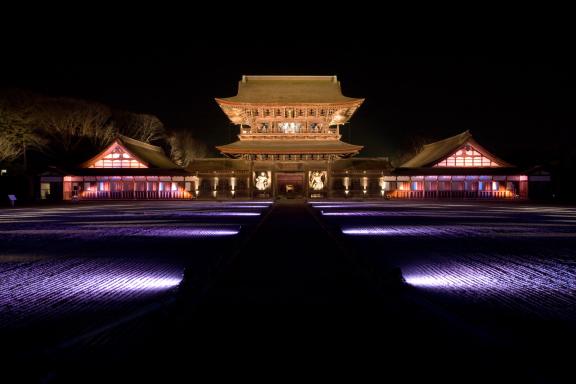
(521, 108)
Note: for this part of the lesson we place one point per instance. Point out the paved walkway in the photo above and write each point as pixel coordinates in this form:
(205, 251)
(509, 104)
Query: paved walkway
(291, 264)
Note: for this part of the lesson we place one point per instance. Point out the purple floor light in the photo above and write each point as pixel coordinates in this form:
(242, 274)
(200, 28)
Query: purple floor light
(50, 288)
(448, 231)
(343, 213)
(136, 283)
(369, 231)
(194, 232)
(393, 231)
(209, 232)
(427, 281)
(223, 213)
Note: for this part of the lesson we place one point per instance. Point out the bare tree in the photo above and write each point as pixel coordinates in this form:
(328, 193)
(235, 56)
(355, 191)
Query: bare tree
(68, 122)
(184, 148)
(19, 131)
(8, 151)
(141, 127)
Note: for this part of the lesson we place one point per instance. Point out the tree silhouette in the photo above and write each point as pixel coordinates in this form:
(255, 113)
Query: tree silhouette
(184, 147)
(19, 131)
(143, 127)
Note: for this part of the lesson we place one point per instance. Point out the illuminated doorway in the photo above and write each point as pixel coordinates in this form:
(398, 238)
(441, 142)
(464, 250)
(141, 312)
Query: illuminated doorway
(290, 185)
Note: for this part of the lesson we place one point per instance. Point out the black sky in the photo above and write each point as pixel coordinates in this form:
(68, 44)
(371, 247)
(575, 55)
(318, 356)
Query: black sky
(522, 108)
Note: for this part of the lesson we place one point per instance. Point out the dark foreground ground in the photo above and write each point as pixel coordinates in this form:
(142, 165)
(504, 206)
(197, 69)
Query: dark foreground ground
(290, 291)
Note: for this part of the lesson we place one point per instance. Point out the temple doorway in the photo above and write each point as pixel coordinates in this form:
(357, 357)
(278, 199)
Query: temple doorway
(290, 185)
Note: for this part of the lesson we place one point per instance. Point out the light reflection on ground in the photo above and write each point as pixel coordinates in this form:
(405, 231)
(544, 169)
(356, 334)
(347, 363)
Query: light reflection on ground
(511, 257)
(94, 258)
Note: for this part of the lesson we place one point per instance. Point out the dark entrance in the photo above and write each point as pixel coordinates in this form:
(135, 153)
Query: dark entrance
(290, 185)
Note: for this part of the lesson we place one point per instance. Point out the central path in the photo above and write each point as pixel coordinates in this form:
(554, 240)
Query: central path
(291, 265)
(294, 299)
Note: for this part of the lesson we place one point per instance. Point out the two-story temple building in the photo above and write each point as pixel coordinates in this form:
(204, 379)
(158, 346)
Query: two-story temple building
(289, 145)
(289, 131)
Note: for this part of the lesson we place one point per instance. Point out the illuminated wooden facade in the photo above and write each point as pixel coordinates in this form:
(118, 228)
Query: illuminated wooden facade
(456, 167)
(126, 170)
(289, 118)
(289, 146)
(289, 132)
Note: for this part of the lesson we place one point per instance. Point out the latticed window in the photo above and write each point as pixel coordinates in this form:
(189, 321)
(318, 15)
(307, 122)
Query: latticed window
(467, 157)
(118, 158)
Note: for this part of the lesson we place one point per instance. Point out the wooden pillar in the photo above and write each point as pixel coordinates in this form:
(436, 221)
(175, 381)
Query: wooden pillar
(306, 182)
(251, 178)
(274, 188)
(329, 177)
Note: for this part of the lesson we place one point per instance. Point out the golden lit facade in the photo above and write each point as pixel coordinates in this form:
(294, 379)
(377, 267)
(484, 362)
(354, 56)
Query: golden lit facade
(289, 145)
(289, 118)
(289, 132)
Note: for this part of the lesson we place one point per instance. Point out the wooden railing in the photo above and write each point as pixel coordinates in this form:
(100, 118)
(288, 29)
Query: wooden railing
(130, 195)
(451, 195)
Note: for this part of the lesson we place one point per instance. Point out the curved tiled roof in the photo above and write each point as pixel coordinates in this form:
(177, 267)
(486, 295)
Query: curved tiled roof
(150, 155)
(289, 147)
(437, 151)
(289, 89)
(153, 155)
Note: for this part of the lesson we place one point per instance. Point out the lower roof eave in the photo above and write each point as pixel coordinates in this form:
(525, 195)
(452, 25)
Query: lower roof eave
(287, 153)
(288, 147)
(239, 155)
